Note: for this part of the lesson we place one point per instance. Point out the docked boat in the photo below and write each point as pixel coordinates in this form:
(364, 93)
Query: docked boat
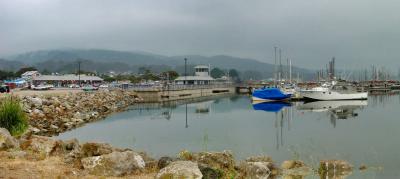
(333, 92)
(270, 94)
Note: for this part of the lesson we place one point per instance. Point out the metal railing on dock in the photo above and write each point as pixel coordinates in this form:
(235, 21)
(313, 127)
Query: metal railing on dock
(175, 87)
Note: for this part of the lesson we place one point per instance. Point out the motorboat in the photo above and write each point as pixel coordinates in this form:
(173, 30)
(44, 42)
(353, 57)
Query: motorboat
(333, 92)
(270, 94)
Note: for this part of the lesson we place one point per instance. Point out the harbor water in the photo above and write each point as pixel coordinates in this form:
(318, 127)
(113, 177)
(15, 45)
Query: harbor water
(361, 132)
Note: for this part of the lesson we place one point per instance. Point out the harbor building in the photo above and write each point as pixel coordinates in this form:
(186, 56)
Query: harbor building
(201, 77)
(66, 80)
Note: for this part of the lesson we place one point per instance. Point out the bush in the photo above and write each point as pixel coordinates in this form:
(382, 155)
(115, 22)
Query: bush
(12, 117)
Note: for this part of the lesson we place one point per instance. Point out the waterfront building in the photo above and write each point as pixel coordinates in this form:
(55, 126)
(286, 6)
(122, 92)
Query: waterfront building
(201, 77)
(66, 80)
(29, 75)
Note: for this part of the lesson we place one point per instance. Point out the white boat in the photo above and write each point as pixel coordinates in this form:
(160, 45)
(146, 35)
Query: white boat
(334, 92)
(42, 87)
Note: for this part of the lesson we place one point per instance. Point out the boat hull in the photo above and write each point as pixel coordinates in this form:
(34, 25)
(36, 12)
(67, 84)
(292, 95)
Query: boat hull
(333, 95)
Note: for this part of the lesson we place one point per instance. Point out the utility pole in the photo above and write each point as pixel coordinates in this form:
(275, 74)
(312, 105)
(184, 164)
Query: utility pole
(185, 71)
(79, 73)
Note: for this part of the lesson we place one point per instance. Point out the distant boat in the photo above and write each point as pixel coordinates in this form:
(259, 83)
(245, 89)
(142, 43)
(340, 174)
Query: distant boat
(272, 106)
(270, 94)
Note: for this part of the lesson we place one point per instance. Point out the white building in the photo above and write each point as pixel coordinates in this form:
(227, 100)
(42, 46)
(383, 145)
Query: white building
(29, 75)
(201, 77)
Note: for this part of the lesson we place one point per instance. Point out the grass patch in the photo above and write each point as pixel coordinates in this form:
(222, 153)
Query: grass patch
(12, 116)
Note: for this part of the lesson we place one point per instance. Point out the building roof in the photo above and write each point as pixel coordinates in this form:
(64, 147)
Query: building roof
(30, 73)
(201, 66)
(67, 78)
(198, 78)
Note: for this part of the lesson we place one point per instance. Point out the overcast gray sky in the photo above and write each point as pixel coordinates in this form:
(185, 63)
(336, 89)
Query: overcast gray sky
(358, 33)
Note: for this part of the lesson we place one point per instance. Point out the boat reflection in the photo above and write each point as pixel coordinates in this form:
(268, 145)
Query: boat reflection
(283, 112)
(273, 106)
(335, 109)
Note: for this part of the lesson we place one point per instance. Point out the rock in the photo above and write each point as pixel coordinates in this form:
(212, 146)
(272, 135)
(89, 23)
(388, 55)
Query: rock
(95, 149)
(180, 169)
(164, 161)
(291, 164)
(209, 172)
(6, 140)
(114, 164)
(72, 144)
(17, 154)
(40, 144)
(295, 168)
(261, 160)
(36, 101)
(334, 168)
(256, 170)
(222, 161)
(363, 167)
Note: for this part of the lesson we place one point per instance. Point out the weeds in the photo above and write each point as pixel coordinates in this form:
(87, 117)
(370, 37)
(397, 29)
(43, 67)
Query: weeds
(12, 117)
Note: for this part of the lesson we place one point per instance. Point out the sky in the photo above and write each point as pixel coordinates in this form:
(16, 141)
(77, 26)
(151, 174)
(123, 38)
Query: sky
(359, 33)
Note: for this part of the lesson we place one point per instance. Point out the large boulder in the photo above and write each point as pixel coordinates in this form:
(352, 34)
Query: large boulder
(40, 144)
(180, 169)
(91, 149)
(6, 140)
(255, 170)
(218, 161)
(114, 164)
(164, 161)
(258, 167)
(295, 168)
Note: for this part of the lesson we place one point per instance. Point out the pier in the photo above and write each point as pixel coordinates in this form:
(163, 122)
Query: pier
(180, 92)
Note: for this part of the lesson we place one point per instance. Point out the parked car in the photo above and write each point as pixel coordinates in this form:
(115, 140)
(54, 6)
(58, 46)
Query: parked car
(73, 86)
(4, 89)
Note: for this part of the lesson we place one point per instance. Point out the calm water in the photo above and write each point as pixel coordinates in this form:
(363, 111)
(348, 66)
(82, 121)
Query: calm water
(362, 132)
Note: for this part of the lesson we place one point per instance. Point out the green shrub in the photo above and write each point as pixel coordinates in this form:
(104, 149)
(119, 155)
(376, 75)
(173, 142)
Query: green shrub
(12, 117)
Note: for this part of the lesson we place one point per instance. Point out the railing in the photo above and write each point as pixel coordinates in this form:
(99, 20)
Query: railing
(176, 87)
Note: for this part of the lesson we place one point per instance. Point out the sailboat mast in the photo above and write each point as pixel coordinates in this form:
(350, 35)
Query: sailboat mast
(290, 71)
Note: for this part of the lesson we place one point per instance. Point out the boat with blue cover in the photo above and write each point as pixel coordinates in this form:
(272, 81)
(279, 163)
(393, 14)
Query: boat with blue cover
(270, 94)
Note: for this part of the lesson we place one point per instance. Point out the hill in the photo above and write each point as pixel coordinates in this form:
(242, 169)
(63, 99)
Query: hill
(99, 60)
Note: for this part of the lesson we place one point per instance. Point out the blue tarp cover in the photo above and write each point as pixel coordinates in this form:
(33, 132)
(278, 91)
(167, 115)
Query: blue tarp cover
(270, 94)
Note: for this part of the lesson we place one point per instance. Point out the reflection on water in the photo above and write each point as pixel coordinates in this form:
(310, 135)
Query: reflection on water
(362, 132)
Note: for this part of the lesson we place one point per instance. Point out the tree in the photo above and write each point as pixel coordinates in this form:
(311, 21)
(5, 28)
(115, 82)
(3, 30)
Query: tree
(217, 73)
(25, 69)
(171, 75)
(5, 75)
(234, 74)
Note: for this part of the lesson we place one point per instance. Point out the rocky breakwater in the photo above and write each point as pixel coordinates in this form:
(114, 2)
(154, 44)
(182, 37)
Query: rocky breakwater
(44, 157)
(50, 115)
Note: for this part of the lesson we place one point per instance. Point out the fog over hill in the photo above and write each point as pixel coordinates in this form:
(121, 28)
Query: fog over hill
(99, 60)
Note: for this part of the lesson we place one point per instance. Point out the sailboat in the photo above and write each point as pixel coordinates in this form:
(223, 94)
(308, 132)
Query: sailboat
(272, 93)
